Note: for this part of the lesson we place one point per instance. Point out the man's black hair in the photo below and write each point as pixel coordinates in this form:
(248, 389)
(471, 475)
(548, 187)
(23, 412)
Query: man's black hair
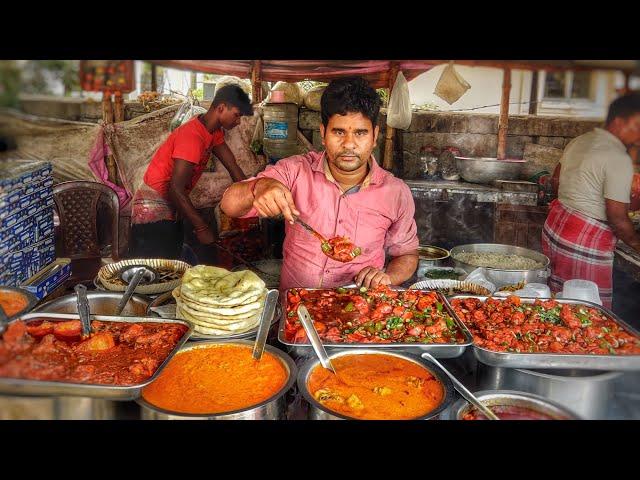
(624, 106)
(350, 95)
(235, 96)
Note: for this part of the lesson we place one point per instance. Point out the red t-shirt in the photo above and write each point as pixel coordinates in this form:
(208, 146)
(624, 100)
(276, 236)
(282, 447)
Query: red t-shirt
(191, 142)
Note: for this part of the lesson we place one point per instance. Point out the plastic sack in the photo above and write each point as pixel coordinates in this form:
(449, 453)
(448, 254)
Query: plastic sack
(185, 113)
(312, 98)
(258, 135)
(478, 276)
(399, 111)
(292, 92)
(451, 86)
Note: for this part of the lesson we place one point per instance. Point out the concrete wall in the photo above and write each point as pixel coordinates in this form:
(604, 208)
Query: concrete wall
(473, 134)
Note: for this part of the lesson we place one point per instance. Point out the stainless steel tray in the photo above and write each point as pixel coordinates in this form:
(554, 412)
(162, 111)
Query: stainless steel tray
(438, 350)
(537, 360)
(19, 386)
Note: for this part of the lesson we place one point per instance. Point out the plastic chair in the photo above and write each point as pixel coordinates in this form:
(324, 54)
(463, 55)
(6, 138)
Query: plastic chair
(77, 207)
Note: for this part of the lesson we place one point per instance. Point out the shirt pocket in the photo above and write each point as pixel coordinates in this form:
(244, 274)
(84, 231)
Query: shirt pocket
(371, 229)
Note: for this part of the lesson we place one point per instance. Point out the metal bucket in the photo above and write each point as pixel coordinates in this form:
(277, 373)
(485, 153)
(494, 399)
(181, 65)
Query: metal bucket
(586, 392)
(317, 411)
(539, 404)
(273, 408)
(56, 408)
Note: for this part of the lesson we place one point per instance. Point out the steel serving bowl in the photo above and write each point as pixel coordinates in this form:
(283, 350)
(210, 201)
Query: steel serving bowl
(493, 398)
(488, 169)
(100, 303)
(500, 276)
(317, 411)
(587, 392)
(430, 256)
(29, 297)
(273, 408)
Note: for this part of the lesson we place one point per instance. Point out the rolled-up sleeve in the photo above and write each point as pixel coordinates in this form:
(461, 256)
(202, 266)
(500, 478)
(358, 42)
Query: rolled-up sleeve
(402, 236)
(284, 171)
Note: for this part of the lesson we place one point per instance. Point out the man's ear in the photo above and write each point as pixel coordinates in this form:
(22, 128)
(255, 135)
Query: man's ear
(376, 131)
(322, 132)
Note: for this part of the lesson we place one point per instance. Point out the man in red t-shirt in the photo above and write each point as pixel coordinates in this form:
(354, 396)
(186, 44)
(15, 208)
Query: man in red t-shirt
(162, 202)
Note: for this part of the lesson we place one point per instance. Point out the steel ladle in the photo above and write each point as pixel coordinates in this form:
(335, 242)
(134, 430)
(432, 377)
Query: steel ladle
(468, 396)
(316, 343)
(140, 273)
(265, 323)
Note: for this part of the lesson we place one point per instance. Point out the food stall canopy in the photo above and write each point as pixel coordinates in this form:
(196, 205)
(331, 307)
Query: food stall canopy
(375, 71)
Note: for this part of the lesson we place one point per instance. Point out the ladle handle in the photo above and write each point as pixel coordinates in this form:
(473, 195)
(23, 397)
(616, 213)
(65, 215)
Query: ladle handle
(83, 309)
(130, 289)
(265, 323)
(468, 396)
(316, 343)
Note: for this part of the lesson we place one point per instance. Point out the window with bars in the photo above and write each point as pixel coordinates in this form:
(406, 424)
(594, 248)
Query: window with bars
(567, 85)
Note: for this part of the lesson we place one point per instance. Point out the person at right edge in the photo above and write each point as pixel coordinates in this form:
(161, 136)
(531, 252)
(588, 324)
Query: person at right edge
(594, 185)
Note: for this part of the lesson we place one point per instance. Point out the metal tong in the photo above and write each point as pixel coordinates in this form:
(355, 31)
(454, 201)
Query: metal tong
(265, 323)
(83, 309)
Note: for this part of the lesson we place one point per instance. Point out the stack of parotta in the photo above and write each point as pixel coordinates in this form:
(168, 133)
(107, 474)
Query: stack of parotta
(219, 302)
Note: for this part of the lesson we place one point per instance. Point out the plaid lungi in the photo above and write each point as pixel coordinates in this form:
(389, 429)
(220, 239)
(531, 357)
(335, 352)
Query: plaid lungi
(578, 246)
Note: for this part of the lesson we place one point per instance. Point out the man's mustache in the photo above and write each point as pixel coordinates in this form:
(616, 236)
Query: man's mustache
(349, 154)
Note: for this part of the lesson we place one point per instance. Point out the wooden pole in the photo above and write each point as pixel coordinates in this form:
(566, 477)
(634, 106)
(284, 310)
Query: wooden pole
(107, 118)
(256, 81)
(533, 96)
(154, 77)
(627, 83)
(504, 115)
(118, 111)
(388, 141)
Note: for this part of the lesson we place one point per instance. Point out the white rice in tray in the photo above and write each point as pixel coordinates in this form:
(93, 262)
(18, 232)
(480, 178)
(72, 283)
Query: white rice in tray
(498, 260)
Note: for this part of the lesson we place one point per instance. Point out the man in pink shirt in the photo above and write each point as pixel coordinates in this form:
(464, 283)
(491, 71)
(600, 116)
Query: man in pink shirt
(340, 192)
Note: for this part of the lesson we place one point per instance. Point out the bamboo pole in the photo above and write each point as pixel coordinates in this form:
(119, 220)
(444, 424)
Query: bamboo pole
(388, 141)
(256, 81)
(107, 118)
(504, 115)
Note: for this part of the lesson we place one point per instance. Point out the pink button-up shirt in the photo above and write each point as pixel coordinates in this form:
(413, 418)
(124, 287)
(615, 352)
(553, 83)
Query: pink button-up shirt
(376, 218)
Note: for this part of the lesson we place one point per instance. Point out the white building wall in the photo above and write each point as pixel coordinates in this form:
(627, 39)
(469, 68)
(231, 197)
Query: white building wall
(486, 91)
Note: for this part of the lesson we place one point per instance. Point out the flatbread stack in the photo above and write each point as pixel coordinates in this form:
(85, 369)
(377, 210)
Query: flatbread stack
(219, 302)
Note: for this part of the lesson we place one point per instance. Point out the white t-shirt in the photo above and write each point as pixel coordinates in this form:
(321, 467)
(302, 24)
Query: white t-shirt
(595, 166)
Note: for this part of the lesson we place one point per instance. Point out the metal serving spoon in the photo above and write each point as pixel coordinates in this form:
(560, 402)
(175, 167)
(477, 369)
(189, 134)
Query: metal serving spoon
(316, 343)
(265, 323)
(470, 397)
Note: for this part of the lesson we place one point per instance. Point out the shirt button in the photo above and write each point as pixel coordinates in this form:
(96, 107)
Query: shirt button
(326, 271)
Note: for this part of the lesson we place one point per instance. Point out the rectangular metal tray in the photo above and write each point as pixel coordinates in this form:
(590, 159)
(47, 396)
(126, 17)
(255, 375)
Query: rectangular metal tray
(539, 360)
(20, 386)
(438, 350)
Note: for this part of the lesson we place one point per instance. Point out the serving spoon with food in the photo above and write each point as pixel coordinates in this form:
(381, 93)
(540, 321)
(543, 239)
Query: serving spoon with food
(336, 248)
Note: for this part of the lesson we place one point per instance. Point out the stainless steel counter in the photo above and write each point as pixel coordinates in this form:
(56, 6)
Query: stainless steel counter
(441, 189)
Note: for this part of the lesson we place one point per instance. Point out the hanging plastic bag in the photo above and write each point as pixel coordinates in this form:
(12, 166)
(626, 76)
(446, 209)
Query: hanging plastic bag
(399, 111)
(451, 85)
(185, 113)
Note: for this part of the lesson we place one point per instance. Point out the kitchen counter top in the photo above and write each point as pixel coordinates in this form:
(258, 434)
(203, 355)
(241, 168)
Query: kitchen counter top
(441, 189)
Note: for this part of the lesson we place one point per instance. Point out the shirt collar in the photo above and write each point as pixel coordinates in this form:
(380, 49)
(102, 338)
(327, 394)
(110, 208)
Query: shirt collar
(374, 177)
